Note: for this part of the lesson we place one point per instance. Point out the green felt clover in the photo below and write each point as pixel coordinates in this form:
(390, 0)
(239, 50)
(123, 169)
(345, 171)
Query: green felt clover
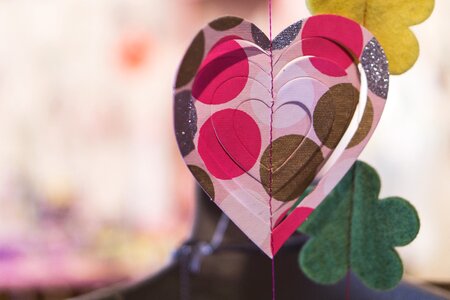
(353, 230)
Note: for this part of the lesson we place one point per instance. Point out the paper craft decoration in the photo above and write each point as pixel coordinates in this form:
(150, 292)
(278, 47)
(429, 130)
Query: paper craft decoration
(389, 21)
(353, 229)
(258, 122)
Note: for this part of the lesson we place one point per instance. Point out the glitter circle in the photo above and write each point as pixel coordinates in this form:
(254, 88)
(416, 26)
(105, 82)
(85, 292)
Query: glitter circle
(185, 116)
(376, 66)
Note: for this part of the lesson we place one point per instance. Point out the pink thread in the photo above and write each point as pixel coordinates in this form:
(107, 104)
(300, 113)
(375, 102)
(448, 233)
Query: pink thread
(347, 286)
(271, 149)
(273, 278)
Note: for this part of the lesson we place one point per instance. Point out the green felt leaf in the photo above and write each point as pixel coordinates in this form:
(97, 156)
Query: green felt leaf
(353, 229)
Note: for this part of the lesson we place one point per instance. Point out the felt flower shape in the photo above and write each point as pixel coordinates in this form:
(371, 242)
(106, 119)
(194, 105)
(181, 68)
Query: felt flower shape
(389, 21)
(354, 230)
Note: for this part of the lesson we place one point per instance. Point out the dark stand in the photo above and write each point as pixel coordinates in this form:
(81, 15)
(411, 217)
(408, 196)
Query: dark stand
(237, 270)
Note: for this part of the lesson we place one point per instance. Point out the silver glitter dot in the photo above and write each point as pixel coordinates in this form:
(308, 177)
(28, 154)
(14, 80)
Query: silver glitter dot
(260, 38)
(286, 37)
(376, 66)
(185, 121)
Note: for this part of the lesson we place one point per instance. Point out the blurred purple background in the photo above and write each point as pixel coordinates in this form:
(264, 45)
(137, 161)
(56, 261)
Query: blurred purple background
(92, 188)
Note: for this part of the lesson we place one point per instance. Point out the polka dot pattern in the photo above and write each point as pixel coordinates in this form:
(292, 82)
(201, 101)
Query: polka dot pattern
(364, 126)
(295, 161)
(376, 67)
(185, 117)
(229, 143)
(340, 30)
(226, 60)
(286, 37)
(327, 51)
(191, 61)
(225, 23)
(260, 38)
(334, 112)
(203, 179)
(256, 154)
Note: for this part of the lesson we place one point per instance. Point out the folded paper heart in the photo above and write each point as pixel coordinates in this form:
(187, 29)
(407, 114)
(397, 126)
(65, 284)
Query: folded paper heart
(260, 121)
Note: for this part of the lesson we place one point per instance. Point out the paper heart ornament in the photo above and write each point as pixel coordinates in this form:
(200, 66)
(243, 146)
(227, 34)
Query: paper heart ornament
(258, 122)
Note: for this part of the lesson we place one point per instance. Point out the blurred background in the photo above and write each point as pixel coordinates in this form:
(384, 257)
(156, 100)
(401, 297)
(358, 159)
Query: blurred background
(92, 188)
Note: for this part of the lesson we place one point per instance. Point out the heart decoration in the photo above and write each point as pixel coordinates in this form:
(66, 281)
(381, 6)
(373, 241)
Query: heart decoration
(258, 122)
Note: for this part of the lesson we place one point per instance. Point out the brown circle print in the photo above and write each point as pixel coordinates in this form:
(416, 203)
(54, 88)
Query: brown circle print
(295, 162)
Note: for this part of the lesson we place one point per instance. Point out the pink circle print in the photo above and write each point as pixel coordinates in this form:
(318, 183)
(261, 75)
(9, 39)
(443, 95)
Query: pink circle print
(344, 33)
(229, 143)
(227, 60)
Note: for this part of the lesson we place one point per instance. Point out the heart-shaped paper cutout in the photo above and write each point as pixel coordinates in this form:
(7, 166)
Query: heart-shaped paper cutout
(258, 122)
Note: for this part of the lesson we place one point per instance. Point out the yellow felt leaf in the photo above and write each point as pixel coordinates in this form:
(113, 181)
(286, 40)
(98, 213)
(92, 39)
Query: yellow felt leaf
(388, 20)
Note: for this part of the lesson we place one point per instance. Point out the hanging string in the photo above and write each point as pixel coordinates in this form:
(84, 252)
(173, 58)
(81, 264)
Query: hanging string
(347, 285)
(270, 146)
